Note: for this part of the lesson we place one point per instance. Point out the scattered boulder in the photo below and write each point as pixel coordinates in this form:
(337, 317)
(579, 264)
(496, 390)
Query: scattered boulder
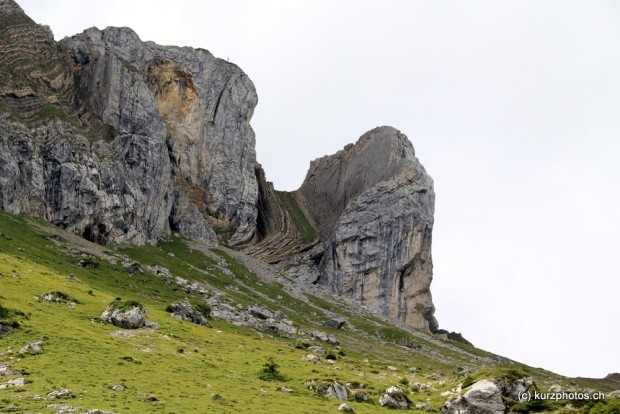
(613, 394)
(316, 350)
(311, 358)
(555, 388)
(394, 397)
(61, 393)
(32, 349)
(133, 268)
(17, 382)
(128, 315)
(158, 270)
(513, 388)
(335, 323)
(362, 397)
(322, 336)
(6, 370)
(117, 387)
(185, 311)
(484, 397)
(345, 407)
(328, 388)
(58, 298)
(5, 328)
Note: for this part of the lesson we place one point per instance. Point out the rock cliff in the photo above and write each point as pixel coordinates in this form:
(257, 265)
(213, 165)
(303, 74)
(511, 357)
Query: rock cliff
(373, 204)
(119, 139)
(123, 141)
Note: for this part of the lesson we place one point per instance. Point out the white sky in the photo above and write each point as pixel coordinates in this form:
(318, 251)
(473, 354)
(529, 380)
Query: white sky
(513, 107)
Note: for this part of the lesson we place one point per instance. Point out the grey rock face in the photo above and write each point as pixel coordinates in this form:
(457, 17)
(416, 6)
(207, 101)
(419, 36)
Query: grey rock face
(373, 203)
(198, 105)
(179, 149)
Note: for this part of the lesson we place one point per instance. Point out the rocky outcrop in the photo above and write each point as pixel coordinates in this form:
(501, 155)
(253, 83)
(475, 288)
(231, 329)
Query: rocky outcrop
(199, 105)
(373, 204)
(184, 311)
(118, 140)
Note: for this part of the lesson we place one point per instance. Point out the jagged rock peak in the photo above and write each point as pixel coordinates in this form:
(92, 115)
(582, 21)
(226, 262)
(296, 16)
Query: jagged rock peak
(373, 204)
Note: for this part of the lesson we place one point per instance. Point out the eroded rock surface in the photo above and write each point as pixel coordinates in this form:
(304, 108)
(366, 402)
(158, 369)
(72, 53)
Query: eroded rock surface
(373, 204)
(118, 140)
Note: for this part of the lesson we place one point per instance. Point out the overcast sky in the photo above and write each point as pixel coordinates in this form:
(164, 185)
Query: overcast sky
(513, 107)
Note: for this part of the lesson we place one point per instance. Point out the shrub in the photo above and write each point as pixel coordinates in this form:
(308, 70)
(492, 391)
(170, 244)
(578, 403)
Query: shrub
(271, 372)
(467, 381)
(404, 381)
(204, 309)
(4, 312)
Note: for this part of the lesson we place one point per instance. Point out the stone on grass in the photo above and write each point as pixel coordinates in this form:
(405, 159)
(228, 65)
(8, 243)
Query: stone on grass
(61, 393)
(345, 407)
(394, 397)
(31, 349)
(128, 315)
(335, 323)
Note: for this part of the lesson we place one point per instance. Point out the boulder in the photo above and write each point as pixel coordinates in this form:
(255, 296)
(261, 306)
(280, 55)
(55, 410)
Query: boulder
(484, 397)
(33, 348)
(328, 388)
(345, 408)
(128, 315)
(394, 397)
(335, 323)
(61, 393)
(322, 336)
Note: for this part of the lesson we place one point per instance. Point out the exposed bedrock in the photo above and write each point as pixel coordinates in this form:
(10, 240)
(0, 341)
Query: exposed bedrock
(373, 204)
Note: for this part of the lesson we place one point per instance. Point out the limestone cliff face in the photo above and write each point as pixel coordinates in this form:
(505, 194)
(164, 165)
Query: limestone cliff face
(119, 139)
(373, 203)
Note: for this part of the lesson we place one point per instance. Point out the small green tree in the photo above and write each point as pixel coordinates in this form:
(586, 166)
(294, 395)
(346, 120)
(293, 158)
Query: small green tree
(271, 372)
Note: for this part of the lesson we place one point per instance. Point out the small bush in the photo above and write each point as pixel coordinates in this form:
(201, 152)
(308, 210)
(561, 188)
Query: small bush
(4, 312)
(271, 372)
(404, 381)
(467, 381)
(331, 356)
(204, 309)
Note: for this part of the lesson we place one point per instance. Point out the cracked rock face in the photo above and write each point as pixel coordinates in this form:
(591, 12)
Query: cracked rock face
(198, 105)
(373, 204)
(120, 140)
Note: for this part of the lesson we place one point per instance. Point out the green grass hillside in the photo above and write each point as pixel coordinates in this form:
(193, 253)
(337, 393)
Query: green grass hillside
(179, 367)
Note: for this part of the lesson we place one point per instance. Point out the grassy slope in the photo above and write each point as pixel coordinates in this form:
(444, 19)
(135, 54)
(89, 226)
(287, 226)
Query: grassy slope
(181, 367)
